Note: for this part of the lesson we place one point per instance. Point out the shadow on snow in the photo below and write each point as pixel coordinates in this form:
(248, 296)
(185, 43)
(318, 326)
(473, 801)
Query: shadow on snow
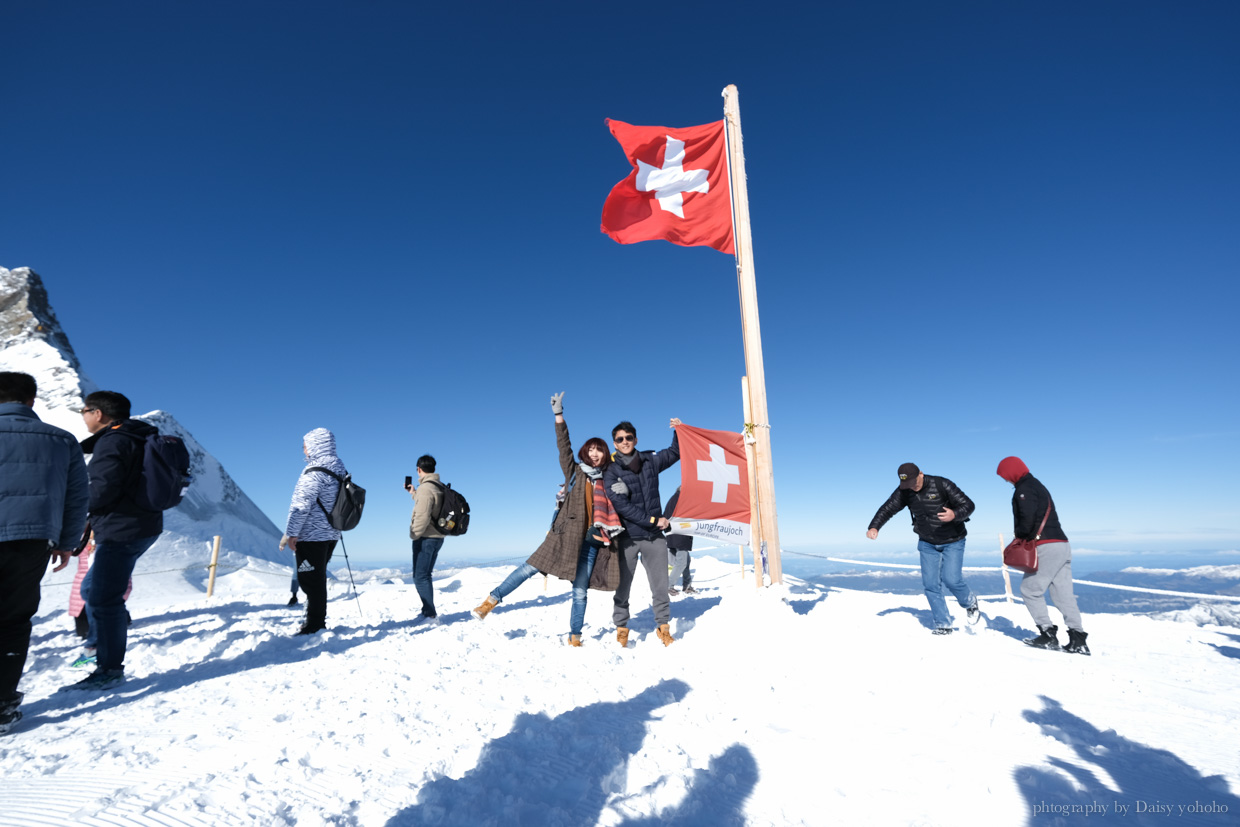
(562, 771)
(1146, 777)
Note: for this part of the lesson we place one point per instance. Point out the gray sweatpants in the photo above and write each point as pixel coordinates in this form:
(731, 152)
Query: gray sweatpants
(1054, 573)
(653, 555)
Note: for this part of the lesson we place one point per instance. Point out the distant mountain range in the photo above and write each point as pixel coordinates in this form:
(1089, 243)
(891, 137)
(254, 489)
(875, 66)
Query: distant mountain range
(33, 341)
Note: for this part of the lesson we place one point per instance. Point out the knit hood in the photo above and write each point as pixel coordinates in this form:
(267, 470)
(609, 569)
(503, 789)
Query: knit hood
(320, 446)
(1012, 469)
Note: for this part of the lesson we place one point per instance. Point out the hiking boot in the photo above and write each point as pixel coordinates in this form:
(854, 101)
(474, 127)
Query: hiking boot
(974, 613)
(1076, 643)
(9, 718)
(485, 609)
(622, 637)
(85, 659)
(574, 640)
(664, 634)
(944, 630)
(99, 679)
(689, 590)
(673, 591)
(1047, 639)
(292, 601)
(310, 628)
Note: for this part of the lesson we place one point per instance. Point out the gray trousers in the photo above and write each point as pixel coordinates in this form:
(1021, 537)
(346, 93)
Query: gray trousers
(653, 555)
(678, 559)
(1054, 574)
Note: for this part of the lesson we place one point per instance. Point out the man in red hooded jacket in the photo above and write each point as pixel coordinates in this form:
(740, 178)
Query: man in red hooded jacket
(1031, 503)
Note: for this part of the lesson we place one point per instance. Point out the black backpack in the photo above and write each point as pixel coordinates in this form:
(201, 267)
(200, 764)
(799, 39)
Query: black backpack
(453, 517)
(165, 472)
(350, 500)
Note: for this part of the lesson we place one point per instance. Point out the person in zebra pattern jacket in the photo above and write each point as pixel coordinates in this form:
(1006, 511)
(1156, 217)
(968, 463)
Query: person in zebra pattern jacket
(307, 532)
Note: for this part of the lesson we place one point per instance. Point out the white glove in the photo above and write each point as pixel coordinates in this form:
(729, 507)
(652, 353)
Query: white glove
(618, 487)
(557, 403)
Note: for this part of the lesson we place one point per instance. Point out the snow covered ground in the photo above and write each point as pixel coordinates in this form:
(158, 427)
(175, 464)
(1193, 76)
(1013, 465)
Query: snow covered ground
(807, 705)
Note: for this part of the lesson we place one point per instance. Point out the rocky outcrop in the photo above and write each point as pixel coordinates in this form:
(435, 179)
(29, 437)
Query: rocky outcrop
(33, 341)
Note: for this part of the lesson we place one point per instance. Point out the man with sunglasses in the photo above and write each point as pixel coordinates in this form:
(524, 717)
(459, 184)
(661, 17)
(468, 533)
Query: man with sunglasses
(632, 484)
(939, 510)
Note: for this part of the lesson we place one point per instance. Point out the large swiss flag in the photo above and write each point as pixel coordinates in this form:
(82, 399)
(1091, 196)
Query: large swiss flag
(678, 190)
(714, 485)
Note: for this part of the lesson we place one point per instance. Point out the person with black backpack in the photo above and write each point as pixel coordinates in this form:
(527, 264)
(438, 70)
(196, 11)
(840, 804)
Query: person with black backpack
(426, 533)
(308, 532)
(126, 524)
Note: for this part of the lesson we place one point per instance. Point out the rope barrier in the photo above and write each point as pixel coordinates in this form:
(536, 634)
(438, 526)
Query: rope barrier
(455, 569)
(1165, 592)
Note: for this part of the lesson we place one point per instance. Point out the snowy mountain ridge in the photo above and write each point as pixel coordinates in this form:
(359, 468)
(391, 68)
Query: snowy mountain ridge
(33, 341)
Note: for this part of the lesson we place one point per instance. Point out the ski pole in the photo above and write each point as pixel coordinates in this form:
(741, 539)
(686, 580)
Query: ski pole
(356, 598)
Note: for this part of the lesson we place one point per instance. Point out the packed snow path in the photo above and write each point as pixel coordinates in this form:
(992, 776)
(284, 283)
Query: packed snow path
(797, 707)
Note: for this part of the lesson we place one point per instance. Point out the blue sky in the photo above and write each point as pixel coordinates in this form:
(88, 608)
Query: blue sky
(980, 229)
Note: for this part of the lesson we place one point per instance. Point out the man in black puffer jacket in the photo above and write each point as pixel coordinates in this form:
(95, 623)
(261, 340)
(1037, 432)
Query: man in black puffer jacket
(631, 480)
(939, 510)
(123, 529)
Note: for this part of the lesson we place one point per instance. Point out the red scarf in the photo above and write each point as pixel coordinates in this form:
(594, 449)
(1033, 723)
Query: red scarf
(605, 517)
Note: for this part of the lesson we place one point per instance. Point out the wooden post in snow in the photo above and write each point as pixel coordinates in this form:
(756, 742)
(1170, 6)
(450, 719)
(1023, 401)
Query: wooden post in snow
(215, 559)
(755, 523)
(743, 241)
(741, 549)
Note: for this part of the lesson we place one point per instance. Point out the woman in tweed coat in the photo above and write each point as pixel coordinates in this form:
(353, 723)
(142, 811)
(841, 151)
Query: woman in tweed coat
(577, 548)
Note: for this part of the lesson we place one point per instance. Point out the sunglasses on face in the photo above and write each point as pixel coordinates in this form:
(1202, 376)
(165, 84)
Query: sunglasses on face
(620, 439)
(89, 410)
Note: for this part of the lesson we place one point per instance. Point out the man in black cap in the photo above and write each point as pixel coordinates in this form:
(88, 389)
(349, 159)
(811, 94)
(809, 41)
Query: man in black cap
(939, 510)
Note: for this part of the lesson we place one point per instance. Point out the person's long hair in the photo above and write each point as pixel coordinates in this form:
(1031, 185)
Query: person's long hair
(594, 442)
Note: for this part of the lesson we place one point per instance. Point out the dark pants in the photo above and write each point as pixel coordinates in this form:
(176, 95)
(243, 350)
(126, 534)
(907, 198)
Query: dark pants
(425, 552)
(109, 579)
(22, 565)
(312, 559)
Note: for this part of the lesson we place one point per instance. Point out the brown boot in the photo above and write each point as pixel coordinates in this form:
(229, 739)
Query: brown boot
(485, 609)
(622, 636)
(574, 640)
(665, 634)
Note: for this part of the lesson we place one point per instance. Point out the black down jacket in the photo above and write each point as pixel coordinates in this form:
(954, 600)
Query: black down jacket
(641, 508)
(924, 506)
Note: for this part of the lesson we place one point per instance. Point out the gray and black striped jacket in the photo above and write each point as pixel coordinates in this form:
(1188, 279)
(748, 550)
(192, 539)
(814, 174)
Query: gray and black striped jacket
(306, 521)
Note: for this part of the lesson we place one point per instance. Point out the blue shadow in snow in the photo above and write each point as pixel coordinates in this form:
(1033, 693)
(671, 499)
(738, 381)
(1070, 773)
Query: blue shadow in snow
(1143, 774)
(547, 770)
(923, 615)
(1227, 651)
(803, 607)
(716, 796)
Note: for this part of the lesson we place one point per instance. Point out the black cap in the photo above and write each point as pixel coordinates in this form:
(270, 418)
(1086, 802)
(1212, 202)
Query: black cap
(908, 474)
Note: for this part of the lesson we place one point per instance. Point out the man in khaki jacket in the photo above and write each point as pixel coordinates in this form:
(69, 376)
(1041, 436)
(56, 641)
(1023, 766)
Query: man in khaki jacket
(425, 533)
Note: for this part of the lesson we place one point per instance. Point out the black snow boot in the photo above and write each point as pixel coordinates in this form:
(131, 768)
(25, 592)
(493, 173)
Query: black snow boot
(1076, 643)
(1046, 640)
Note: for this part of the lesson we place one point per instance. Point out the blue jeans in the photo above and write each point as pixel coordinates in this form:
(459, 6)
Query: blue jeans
(581, 584)
(425, 552)
(105, 599)
(944, 566)
(519, 575)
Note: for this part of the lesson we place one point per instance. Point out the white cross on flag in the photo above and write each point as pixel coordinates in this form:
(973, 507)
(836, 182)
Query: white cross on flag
(714, 486)
(677, 190)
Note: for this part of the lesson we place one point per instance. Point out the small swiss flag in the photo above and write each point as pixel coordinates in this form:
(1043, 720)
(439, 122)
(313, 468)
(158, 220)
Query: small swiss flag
(714, 485)
(678, 190)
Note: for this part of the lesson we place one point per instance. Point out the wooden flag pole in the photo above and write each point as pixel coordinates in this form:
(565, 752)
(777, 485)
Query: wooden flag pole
(743, 241)
(755, 523)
